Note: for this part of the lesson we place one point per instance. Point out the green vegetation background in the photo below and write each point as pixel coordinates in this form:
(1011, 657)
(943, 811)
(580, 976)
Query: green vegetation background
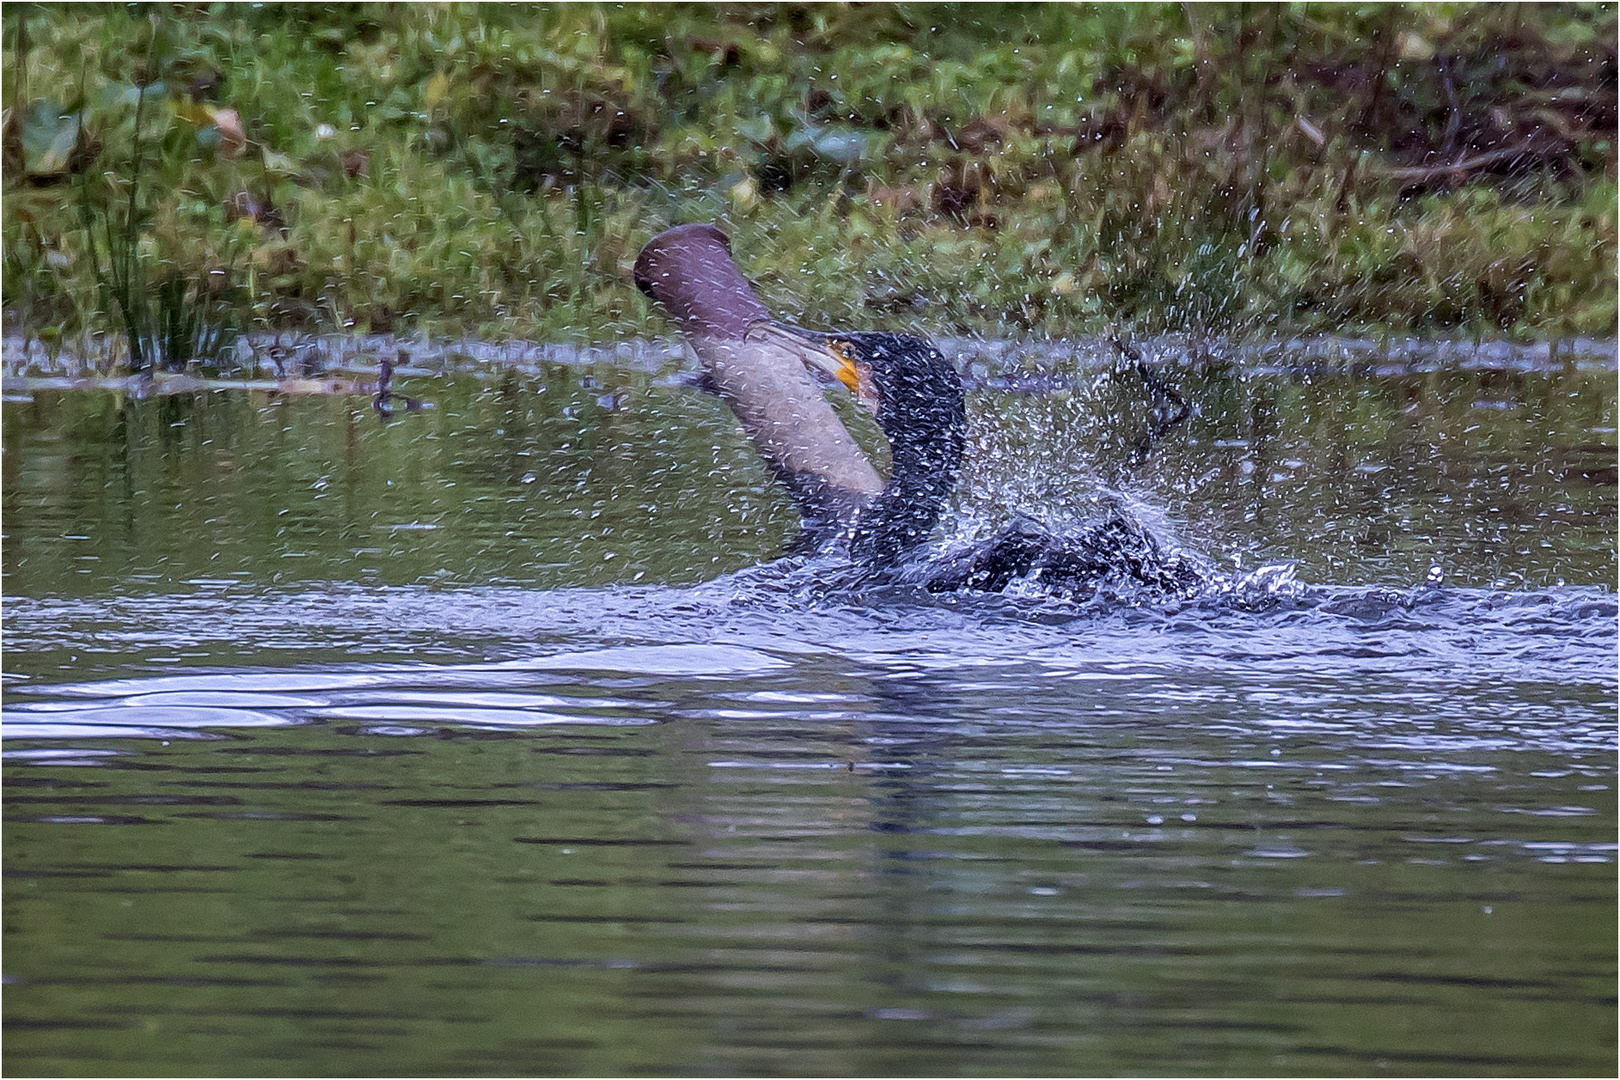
(1252, 170)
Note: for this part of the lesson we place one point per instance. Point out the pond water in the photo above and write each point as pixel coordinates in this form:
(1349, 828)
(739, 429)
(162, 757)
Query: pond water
(480, 741)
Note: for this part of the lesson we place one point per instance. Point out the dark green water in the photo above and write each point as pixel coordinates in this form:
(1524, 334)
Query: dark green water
(467, 744)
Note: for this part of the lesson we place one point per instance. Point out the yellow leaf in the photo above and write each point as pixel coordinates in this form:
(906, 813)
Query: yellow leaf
(437, 87)
(190, 110)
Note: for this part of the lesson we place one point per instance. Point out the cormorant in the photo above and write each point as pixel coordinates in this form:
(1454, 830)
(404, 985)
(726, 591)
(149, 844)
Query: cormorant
(917, 397)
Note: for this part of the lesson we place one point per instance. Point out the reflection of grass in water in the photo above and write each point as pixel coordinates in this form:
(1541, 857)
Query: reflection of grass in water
(533, 478)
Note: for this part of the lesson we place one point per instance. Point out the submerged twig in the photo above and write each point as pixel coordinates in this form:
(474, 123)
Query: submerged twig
(1161, 421)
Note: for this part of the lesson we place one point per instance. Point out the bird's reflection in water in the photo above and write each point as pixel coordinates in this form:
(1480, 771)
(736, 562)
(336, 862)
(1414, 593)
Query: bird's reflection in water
(917, 753)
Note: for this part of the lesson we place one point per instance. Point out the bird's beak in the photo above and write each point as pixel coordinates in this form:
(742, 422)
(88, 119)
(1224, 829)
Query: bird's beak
(820, 352)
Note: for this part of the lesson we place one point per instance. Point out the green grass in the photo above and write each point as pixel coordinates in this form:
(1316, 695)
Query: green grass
(1004, 170)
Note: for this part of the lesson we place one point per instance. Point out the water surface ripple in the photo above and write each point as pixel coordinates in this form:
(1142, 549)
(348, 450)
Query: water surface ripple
(487, 741)
(721, 829)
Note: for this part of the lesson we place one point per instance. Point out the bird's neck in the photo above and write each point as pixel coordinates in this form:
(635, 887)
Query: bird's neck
(929, 470)
(925, 470)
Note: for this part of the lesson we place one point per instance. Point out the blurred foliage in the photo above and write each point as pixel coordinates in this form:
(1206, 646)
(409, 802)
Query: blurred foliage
(1001, 169)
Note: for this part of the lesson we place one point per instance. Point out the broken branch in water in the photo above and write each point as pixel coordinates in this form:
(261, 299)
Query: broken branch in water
(1161, 421)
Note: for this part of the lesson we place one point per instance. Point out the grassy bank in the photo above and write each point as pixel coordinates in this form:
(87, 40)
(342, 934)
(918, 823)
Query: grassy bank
(1020, 169)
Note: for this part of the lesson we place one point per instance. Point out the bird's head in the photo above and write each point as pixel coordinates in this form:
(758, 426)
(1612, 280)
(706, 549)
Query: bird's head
(907, 384)
(917, 397)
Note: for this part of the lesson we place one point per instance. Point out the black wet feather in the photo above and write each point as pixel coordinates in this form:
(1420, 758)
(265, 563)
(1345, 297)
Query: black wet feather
(922, 411)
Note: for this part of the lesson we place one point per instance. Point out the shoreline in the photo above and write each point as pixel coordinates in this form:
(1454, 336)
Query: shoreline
(282, 362)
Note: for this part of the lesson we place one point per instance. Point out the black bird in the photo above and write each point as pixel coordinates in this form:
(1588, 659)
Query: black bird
(917, 397)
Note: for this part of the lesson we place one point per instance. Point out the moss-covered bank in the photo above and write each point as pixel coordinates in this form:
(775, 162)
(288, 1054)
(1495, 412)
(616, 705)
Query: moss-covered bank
(1017, 169)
